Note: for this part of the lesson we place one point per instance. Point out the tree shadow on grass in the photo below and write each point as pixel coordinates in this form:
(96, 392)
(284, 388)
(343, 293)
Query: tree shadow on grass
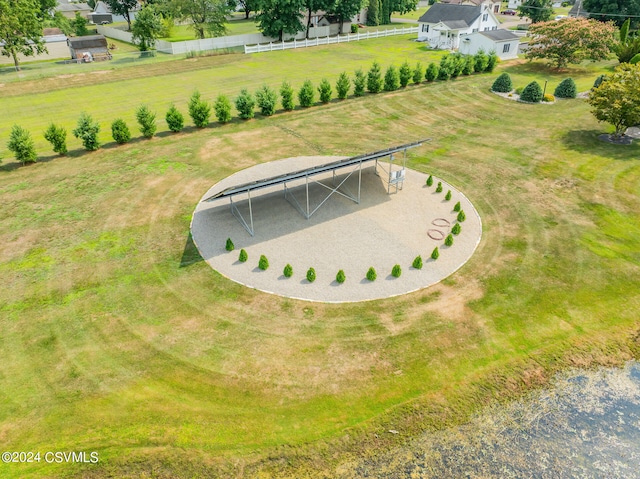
(190, 254)
(587, 141)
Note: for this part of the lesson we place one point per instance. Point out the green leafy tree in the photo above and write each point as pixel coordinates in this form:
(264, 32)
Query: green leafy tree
(267, 100)
(458, 62)
(287, 271)
(306, 95)
(456, 229)
(311, 275)
(481, 61)
(532, 93)
(324, 89)
(199, 110)
(430, 180)
(147, 28)
(243, 256)
(461, 216)
(222, 108)
(492, 61)
(174, 119)
(447, 197)
(617, 11)
(342, 85)
(391, 79)
(435, 254)
(277, 17)
(20, 29)
(432, 72)
(124, 8)
(359, 82)
(87, 131)
(205, 17)
(22, 145)
(79, 25)
(344, 10)
(341, 277)
(147, 121)
(617, 100)
(263, 263)
(469, 65)
(502, 84)
(373, 13)
(566, 89)
(248, 6)
(446, 68)
(229, 246)
(417, 262)
(448, 241)
(405, 74)
(120, 131)
(571, 40)
(536, 10)
(457, 206)
(418, 73)
(286, 93)
(245, 104)
(374, 78)
(371, 274)
(396, 271)
(313, 6)
(57, 136)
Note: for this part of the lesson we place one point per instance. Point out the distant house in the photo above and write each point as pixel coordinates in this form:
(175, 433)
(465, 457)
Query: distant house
(494, 4)
(69, 9)
(103, 8)
(514, 4)
(443, 25)
(503, 42)
(89, 48)
(54, 40)
(322, 19)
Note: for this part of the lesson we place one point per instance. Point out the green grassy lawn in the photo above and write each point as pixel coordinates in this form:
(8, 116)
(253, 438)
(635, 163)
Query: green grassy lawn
(115, 337)
(413, 15)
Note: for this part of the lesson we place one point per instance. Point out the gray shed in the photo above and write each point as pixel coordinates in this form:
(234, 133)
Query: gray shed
(89, 48)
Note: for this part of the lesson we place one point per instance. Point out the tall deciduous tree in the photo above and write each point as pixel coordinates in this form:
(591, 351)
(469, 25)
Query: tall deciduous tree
(20, 29)
(571, 40)
(277, 17)
(314, 6)
(124, 8)
(345, 10)
(536, 10)
(247, 6)
(617, 99)
(207, 17)
(618, 10)
(147, 28)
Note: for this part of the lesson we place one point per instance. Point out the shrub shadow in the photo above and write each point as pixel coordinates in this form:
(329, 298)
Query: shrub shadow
(587, 141)
(190, 254)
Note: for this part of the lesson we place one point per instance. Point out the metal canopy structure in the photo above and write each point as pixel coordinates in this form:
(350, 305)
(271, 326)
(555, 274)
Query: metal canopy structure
(392, 178)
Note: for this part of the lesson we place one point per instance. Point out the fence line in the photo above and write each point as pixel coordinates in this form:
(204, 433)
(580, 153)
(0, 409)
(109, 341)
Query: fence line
(351, 37)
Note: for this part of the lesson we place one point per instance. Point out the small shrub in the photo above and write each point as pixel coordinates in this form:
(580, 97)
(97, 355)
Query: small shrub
(548, 98)
(341, 277)
(599, 81)
(306, 95)
(532, 93)
(457, 206)
(469, 65)
(396, 271)
(435, 254)
(325, 91)
(446, 68)
(229, 246)
(354, 28)
(461, 216)
(492, 61)
(405, 74)
(174, 119)
(374, 79)
(263, 263)
(243, 256)
(371, 274)
(566, 89)
(342, 85)
(287, 271)
(147, 121)
(22, 145)
(87, 131)
(432, 72)
(359, 83)
(458, 62)
(439, 187)
(430, 180)
(57, 136)
(502, 84)
(481, 61)
(245, 104)
(267, 100)
(391, 79)
(456, 229)
(448, 195)
(311, 275)
(418, 73)
(417, 262)
(199, 110)
(222, 107)
(449, 239)
(120, 131)
(286, 93)
(519, 90)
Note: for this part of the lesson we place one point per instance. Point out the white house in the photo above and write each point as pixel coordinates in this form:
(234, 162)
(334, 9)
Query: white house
(103, 8)
(514, 4)
(503, 42)
(443, 25)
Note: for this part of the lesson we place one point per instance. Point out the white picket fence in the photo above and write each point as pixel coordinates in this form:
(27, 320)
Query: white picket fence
(351, 37)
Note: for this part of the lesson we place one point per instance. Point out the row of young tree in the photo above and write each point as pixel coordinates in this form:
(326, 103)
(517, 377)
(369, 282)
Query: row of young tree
(265, 99)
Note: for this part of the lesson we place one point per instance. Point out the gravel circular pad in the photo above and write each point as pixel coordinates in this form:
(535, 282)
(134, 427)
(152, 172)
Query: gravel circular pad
(381, 231)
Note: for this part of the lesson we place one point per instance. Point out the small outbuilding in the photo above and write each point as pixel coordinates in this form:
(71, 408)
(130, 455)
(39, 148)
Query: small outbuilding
(89, 48)
(503, 42)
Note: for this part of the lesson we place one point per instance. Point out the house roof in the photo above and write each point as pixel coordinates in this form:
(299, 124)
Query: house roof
(475, 2)
(89, 41)
(445, 13)
(500, 35)
(73, 7)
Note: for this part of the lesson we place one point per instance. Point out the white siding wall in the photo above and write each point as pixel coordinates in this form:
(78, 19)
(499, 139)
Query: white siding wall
(477, 42)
